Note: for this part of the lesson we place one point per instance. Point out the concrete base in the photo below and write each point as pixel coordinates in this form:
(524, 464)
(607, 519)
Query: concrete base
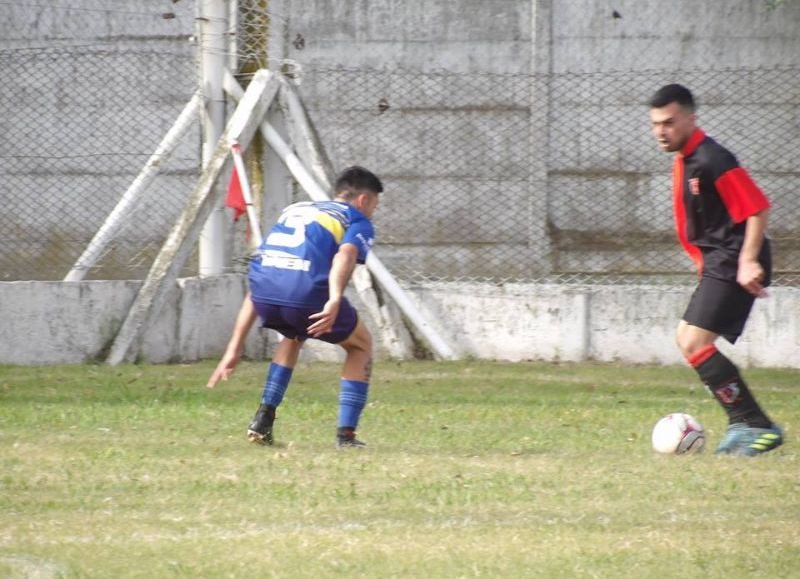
(62, 323)
(76, 322)
(632, 324)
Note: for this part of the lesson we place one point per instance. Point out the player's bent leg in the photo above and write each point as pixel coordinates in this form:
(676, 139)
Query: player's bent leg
(287, 352)
(750, 431)
(358, 346)
(275, 385)
(354, 385)
(691, 339)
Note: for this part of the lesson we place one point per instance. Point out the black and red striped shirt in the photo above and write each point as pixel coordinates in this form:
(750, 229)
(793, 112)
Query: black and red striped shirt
(713, 197)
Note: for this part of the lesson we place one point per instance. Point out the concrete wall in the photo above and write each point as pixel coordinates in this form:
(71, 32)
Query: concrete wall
(729, 53)
(632, 324)
(495, 36)
(94, 85)
(580, 36)
(573, 158)
(453, 133)
(55, 323)
(674, 36)
(424, 35)
(45, 322)
(583, 185)
(92, 22)
(59, 323)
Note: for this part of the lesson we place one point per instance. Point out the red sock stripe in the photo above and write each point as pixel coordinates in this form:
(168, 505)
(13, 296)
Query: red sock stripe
(702, 355)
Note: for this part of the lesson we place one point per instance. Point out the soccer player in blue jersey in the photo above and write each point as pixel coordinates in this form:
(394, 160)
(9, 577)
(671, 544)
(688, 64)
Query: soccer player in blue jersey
(297, 281)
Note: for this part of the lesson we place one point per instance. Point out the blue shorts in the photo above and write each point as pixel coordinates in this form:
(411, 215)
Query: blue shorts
(293, 322)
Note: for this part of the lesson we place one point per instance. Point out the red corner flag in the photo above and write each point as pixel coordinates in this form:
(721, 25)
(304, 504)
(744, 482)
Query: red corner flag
(235, 198)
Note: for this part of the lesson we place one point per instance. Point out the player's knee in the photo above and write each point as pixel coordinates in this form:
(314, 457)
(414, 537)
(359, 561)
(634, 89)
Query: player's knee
(365, 341)
(689, 344)
(685, 345)
(289, 345)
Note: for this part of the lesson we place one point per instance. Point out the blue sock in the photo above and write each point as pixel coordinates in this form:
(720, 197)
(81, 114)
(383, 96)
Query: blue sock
(277, 382)
(352, 399)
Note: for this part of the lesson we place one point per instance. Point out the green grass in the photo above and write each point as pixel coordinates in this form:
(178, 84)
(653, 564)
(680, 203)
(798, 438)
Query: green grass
(473, 469)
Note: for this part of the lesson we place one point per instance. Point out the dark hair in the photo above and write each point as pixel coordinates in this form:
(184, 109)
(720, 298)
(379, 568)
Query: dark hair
(673, 93)
(355, 180)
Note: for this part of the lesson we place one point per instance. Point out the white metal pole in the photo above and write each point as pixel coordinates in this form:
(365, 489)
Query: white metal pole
(317, 193)
(233, 35)
(309, 149)
(387, 281)
(303, 137)
(212, 36)
(112, 223)
(183, 237)
(252, 216)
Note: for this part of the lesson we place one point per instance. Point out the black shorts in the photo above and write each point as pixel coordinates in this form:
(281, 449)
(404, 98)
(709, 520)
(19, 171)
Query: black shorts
(293, 322)
(719, 306)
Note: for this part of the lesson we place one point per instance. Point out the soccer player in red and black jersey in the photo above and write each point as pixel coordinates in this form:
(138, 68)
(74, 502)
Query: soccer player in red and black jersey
(721, 221)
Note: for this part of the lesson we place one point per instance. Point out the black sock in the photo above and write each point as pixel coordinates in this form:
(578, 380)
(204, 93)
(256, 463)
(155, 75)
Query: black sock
(723, 380)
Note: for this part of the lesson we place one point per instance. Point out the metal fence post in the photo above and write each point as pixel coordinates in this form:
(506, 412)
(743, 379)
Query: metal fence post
(539, 137)
(212, 41)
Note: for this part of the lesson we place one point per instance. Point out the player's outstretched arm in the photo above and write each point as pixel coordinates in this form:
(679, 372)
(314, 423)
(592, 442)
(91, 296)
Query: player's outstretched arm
(244, 321)
(344, 262)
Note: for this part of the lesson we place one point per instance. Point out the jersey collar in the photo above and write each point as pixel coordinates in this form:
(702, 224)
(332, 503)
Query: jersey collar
(694, 140)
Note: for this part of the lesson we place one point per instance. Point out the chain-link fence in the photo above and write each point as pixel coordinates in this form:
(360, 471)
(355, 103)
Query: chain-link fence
(479, 189)
(77, 130)
(489, 176)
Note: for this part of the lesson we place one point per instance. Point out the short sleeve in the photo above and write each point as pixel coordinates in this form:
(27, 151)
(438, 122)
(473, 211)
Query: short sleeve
(741, 196)
(362, 235)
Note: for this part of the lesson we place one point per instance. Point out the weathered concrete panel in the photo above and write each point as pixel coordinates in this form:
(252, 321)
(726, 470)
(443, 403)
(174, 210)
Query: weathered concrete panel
(632, 324)
(613, 138)
(56, 322)
(59, 323)
(70, 323)
(672, 35)
(330, 90)
(608, 204)
(76, 322)
(508, 322)
(55, 21)
(498, 261)
(421, 143)
(425, 35)
(444, 211)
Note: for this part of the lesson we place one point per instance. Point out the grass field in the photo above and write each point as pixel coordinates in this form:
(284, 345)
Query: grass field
(473, 469)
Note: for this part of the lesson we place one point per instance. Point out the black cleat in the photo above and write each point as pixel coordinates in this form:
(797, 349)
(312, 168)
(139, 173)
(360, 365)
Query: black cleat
(346, 438)
(260, 429)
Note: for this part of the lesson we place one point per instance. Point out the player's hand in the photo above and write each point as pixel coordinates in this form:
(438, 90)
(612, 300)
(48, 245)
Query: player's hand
(223, 370)
(324, 319)
(751, 276)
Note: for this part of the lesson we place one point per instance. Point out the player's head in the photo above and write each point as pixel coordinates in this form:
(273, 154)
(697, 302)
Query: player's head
(672, 116)
(360, 188)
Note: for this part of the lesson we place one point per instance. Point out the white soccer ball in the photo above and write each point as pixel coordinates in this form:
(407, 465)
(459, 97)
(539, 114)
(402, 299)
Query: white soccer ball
(678, 433)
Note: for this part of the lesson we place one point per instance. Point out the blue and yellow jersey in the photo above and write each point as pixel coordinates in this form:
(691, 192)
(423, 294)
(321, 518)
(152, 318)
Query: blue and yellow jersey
(292, 265)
